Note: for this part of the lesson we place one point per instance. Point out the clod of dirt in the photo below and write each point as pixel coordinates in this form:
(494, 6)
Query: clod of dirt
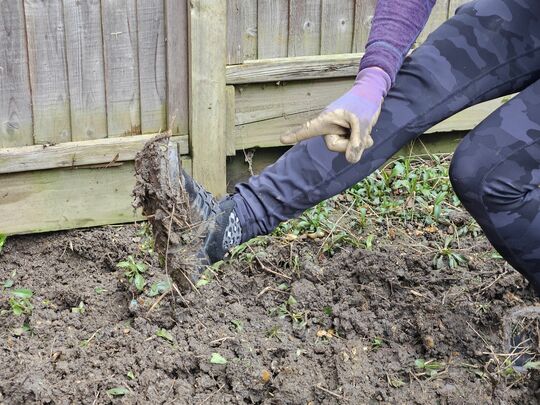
(160, 193)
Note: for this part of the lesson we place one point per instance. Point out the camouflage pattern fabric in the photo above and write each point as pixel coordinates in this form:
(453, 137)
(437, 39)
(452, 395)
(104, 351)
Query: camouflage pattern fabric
(489, 49)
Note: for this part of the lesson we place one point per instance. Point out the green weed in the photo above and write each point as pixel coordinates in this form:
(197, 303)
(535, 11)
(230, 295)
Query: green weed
(447, 255)
(3, 239)
(20, 301)
(431, 368)
(134, 272)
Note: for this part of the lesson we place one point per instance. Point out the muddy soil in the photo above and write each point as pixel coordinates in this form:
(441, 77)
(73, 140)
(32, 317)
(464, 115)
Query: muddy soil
(355, 327)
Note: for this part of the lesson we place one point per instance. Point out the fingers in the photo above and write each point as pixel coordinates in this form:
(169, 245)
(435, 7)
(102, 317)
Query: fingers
(336, 143)
(324, 124)
(308, 130)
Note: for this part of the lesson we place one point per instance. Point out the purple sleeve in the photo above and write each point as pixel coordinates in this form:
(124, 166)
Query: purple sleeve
(395, 26)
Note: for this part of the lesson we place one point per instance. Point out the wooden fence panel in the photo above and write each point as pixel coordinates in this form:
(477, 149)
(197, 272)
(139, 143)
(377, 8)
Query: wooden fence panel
(15, 99)
(337, 26)
(304, 27)
(241, 31)
(177, 66)
(121, 67)
(273, 26)
(363, 14)
(84, 46)
(152, 64)
(48, 71)
(439, 14)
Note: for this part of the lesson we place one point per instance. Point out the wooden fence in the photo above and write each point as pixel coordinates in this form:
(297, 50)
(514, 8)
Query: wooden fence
(85, 83)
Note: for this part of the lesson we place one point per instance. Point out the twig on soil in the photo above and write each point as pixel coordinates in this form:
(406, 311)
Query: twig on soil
(96, 398)
(159, 300)
(180, 294)
(334, 228)
(276, 273)
(220, 340)
(211, 395)
(492, 283)
(266, 289)
(92, 337)
(334, 394)
(191, 283)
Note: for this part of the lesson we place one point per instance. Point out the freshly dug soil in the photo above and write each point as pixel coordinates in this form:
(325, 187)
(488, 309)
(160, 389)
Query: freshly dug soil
(352, 332)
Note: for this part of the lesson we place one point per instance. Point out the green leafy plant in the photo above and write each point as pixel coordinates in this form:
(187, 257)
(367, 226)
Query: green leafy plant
(165, 334)
(238, 325)
(134, 272)
(430, 367)
(19, 301)
(158, 288)
(217, 358)
(447, 255)
(117, 391)
(376, 343)
(3, 239)
(79, 309)
(287, 309)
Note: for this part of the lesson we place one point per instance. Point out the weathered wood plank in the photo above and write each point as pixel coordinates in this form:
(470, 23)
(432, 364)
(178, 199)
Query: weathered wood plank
(272, 27)
(304, 27)
(294, 68)
(264, 113)
(121, 67)
(439, 14)
(363, 14)
(51, 200)
(48, 71)
(265, 134)
(230, 117)
(152, 65)
(337, 26)
(208, 55)
(84, 47)
(72, 154)
(15, 99)
(241, 30)
(177, 66)
(264, 102)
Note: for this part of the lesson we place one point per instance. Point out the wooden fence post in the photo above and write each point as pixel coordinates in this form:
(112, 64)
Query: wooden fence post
(207, 57)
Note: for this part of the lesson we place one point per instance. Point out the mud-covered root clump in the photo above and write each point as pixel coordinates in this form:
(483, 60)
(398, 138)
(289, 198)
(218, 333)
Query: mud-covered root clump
(160, 192)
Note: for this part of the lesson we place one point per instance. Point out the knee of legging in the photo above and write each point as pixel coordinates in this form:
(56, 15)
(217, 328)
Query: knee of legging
(464, 174)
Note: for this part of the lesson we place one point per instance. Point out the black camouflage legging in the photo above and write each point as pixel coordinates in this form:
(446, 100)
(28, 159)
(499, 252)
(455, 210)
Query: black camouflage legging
(490, 48)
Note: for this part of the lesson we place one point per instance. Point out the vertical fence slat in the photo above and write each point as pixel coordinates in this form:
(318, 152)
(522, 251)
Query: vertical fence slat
(48, 71)
(119, 21)
(15, 101)
(439, 14)
(177, 66)
(363, 15)
(152, 57)
(272, 27)
(241, 31)
(304, 27)
(84, 48)
(337, 26)
(208, 57)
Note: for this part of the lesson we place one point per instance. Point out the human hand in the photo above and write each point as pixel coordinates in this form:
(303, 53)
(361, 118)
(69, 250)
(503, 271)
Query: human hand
(346, 123)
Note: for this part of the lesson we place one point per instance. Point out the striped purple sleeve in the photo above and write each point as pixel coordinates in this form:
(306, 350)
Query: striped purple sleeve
(395, 26)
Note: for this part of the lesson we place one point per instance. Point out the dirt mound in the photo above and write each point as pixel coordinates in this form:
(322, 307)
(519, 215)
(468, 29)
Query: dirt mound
(161, 195)
(277, 325)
